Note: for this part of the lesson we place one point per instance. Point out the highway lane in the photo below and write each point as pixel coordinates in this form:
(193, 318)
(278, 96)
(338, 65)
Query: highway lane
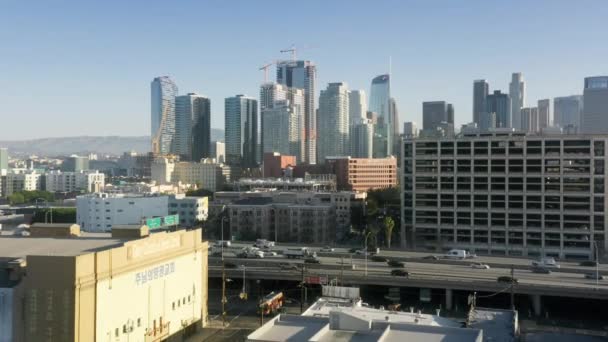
(430, 271)
(409, 256)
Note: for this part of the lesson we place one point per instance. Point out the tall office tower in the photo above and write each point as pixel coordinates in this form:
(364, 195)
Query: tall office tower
(395, 126)
(218, 151)
(362, 138)
(595, 105)
(241, 125)
(303, 75)
(410, 130)
(283, 124)
(544, 114)
(192, 127)
(517, 94)
(450, 113)
(3, 160)
(480, 93)
(530, 119)
(333, 122)
(379, 103)
(269, 93)
(163, 92)
(434, 113)
(567, 111)
(499, 104)
(357, 105)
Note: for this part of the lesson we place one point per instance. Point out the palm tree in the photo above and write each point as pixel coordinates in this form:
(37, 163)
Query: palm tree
(388, 224)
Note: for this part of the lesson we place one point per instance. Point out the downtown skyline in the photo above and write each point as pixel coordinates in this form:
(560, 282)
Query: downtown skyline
(230, 66)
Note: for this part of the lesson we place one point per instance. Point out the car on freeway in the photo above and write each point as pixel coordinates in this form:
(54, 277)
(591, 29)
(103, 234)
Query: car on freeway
(216, 253)
(480, 266)
(396, 263)
(379, 258)
(506, 279)
(229, 265)
(353, 250)
(594, 276)
(431, 257)
(312, 261)
(288, 266)
(541, 270)
(269, 254)
(400, 273)
(327, 249)
(588, 263)
(546, 262)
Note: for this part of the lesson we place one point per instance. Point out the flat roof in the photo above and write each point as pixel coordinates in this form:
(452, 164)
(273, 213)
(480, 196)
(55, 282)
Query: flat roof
(15, 246)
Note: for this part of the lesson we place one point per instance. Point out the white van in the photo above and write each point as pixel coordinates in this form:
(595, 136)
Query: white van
(457, 254)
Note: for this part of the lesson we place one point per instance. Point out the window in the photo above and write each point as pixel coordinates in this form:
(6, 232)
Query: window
(116, 333)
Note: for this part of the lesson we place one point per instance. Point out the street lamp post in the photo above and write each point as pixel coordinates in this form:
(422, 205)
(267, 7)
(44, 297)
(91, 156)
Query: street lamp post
(366, 236)
(223, 276)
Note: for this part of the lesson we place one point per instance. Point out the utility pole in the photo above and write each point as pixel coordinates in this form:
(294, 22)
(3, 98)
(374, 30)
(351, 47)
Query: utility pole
(223, 278)
(512, 288)
(302, 291)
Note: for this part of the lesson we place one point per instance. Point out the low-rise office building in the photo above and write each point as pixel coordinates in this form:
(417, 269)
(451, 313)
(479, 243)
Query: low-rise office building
(22, 180)
(103, 287)
(506, 194)
(206, 174)
(191, 210)
(87, 181)
(364, 174)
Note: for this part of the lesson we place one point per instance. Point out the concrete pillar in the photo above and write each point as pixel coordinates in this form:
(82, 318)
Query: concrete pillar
(536, 304)
(448, 299)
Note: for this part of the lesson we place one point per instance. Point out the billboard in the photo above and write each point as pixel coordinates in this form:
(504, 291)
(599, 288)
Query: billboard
(161, 222)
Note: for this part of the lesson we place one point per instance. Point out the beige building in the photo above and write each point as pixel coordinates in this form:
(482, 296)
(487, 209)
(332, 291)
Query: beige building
(103, 287)
(207, 174)
(364, 174)
(27, 180)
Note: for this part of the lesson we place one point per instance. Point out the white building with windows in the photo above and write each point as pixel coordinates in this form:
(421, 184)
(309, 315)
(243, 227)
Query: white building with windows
(22, 180)
(87, 181)
(100, 211)
(191, 210)
(208, 174)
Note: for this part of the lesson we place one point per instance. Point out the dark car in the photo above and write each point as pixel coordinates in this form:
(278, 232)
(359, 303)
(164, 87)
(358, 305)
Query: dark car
(400, 273)
(353, 250)
(229, 265)
(396, 263)
(312, 261)
(379, 258)
(506, 279)
(431, 257)
(288, 266)
(588, 263)
(594, 276)
(542, 270)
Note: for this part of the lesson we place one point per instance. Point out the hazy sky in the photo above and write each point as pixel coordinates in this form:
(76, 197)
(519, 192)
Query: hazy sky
(72, 68)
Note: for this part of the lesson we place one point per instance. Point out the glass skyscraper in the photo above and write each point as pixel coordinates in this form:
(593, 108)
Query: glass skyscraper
(163, 92)
(595, 105)
(241, 124)
(379, 103)
(192, 126)
(498, 105)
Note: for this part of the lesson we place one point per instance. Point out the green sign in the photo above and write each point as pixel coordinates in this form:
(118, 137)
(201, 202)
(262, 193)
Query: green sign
(154, 223)
(171, 220)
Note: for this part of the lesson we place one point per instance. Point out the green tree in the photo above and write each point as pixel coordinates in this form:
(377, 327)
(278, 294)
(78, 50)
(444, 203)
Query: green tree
(16, 198)
(199, 193)
(57, 215)
(389, 225)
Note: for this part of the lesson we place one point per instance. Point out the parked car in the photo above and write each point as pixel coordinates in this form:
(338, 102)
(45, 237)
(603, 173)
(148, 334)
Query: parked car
(400, 273)
(327, 249)
(594, 276)
(588, 263)
(480, 266)
(379, 258)
(542, 270)
(506, 279)
(396, 263)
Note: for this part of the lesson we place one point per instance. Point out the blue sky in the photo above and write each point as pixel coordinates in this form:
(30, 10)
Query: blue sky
(83, 68)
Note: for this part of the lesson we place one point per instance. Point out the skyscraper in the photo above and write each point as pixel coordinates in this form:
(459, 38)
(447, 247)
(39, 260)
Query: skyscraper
(544, 114)
(567, 111)
(499, 104)
(361, 138)
(434, 113)
(379, 103)
(480, 92)
(410, 130)
(529, 119)
(357, 105)
(283, 125)
(241, 125)
(517, 94)
(192, 126)
(595, 105)
(3, 160)
(303, 75)
(163, 92)
(450, 113)
(395, 126)
(333, 121)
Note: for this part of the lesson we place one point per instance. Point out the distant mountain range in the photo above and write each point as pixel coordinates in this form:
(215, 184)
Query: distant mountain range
(115, 145)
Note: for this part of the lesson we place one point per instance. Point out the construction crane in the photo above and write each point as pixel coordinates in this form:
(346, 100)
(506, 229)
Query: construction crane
(293, 51)
(265, 68)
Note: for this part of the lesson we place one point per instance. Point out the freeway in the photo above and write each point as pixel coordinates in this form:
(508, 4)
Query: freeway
(423, 273)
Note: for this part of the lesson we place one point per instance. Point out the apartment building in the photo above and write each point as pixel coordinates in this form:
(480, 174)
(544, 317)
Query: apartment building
(87, 181)
(506, 194)
(364, 174)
